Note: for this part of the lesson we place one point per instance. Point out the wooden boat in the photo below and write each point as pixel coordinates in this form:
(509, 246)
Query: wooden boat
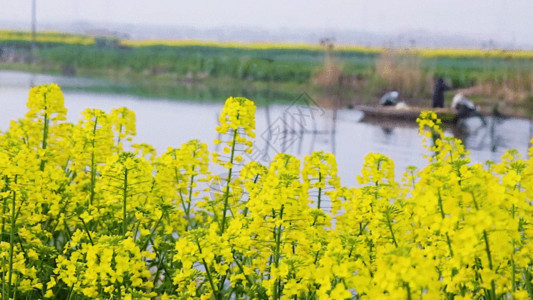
(447, 115)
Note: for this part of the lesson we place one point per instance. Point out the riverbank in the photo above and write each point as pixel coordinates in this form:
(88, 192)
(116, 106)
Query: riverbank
(343, 75)
(263, 93)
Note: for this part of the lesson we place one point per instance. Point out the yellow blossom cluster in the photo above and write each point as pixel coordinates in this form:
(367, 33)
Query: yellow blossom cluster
(82, 217)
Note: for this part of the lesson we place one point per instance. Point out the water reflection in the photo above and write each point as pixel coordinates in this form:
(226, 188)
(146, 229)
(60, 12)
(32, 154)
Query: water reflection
(178, 90)
(297, 129)
(498, 134)
(23, 79)
(387, 131)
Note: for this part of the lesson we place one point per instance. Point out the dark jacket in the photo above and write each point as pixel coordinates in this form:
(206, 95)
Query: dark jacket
(438, 92)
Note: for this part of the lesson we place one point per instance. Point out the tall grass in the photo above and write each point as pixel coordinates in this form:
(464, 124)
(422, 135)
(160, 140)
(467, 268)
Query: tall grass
(404, 73)
(515, 89)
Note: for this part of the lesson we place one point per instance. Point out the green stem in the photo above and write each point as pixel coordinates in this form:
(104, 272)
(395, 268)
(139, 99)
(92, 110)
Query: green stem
(448, 241)
(528, 278)
(277, 255)
(319, 198)
(226, 193)
(15, 289)
(487, 249)
(4, 294)
(4, 207)
(45, 132)
(513, 275)
(119, 133)
(86, 230)
(408, 289)
(153, 231)
(261, 292)
(319, 190)
(70, 292)
(93, 167)
(443, 215)
(161, 258)
(124, 202)
(278, 238)
(474, 200)
(190, 196)
(317, 255)
(186, 209)
(389, 225)
(12, 240)
(209, 277)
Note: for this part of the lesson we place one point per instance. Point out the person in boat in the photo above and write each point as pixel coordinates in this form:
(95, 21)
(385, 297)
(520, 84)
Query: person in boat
(389, 99)
(438, 92)
(465, 108)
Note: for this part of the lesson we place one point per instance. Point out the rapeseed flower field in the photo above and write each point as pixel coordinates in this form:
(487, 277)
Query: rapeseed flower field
(76, 39)
(46, 37)
(87, 214)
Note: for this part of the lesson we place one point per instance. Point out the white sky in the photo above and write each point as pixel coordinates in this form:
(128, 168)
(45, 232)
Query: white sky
(505, 20)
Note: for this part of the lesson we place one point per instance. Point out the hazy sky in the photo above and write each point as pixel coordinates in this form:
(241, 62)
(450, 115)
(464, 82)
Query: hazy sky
(504, 20)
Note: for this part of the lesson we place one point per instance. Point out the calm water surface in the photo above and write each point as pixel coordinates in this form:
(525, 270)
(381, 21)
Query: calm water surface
(170, 123)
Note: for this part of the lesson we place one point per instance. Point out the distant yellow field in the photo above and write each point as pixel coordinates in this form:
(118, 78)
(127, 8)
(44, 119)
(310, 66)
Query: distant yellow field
(51, 36)
(496, 53)
(243, 45)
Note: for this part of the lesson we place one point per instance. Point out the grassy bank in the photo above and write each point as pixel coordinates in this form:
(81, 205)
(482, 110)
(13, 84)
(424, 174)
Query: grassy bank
(357, 74)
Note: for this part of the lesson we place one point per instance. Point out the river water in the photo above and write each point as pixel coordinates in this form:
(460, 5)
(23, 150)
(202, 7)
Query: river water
(297, 129)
